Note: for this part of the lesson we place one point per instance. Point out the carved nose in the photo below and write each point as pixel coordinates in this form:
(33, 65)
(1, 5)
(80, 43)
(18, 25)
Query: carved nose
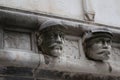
(105, 45)
(58, 39)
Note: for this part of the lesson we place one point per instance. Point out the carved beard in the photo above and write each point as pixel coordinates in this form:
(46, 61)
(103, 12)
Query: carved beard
(56, 52)
(52, 49)
(55, 49)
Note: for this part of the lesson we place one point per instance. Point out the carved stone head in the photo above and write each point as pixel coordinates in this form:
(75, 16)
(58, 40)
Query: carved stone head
(97, 44)
(51, 38)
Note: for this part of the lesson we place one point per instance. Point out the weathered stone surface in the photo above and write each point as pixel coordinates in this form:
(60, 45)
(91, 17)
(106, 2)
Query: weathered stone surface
(20, 58)
(71, 48)
(73, 58)
(17, 40)
(51, 38)
(97, 44)
(71, 65)
(14, 73)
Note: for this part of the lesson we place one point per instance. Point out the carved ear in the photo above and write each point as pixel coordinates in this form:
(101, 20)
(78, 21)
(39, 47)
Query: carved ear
(39, 40)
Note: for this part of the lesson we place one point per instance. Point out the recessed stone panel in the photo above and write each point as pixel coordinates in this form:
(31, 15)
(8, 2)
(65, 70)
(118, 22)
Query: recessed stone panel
(17, 40)
(71, 48)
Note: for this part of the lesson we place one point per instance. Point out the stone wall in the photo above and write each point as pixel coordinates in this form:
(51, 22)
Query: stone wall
(104, 12)
(21, 58)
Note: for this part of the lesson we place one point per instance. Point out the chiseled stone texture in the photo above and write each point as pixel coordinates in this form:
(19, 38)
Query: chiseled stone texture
(71, 46)
(17, 40)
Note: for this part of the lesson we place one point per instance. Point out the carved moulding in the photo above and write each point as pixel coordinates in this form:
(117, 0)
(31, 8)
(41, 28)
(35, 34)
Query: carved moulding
(89, 13)
(79, 64)
(74, 59)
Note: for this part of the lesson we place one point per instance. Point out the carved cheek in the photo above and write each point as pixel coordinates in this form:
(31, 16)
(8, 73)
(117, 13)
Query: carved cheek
(109, 47)
(96, 46)
(63, 41)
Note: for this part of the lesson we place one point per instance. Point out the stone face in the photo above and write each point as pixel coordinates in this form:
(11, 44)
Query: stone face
(97, 44)
(51, 38)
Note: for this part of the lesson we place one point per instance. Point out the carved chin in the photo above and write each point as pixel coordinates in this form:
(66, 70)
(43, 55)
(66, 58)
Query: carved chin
(56, 52)
(106, 58)
(105, 55)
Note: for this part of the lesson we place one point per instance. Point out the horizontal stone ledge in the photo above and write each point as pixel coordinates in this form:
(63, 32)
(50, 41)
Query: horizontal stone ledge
(32, 21)
(18, 58)
(54, 75)
(18, 19)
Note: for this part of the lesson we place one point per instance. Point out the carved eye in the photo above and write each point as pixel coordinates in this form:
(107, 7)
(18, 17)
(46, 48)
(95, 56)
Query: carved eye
(99, 41)
(108, 41)
(50, 35)
(56, 35)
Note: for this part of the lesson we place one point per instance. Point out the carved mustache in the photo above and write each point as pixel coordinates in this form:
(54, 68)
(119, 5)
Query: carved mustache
(104, 52)
(56, 45)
